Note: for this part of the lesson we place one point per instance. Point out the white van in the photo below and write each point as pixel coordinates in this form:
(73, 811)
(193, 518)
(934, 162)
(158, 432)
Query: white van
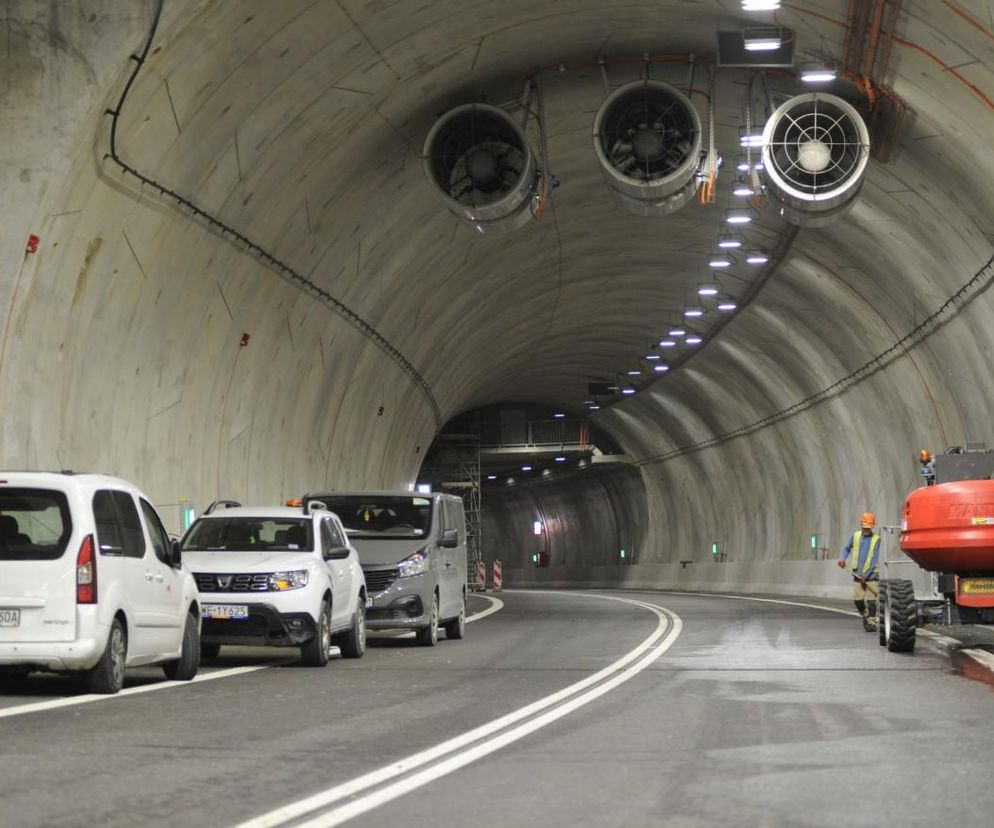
(90, 582)
(412, 548)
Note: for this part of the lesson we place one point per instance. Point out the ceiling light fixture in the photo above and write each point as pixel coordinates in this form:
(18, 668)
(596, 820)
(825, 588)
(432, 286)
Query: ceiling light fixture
(635, 373)
(707, 289)
(661, 369)
(693, 312)
(753, 139)
(744, 165)
(818, 73)
(762, 38)
(726, 306)
(491, 477)
(595, 408)
(756, 257)
(667, 343)
(526, 468)
(628, 391)
(560, 459)
(719, 260)
(559, 415)
(742, 187)
(730, 241)
(738, 215)
(678, 332)
(693, 340)
(652, 357)
(760, 5)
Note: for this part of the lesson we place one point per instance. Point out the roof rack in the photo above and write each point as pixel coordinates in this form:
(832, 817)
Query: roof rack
(227, 504)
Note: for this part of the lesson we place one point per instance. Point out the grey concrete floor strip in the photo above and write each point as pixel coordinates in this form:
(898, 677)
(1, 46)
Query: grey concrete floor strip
(471, 745)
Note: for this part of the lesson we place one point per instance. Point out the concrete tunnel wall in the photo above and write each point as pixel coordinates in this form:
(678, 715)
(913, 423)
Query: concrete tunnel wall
(299, 124)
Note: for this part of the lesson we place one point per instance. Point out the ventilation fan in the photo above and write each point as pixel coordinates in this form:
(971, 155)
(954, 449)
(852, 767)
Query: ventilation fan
(647, 137)
(815, 151)
(478, 160)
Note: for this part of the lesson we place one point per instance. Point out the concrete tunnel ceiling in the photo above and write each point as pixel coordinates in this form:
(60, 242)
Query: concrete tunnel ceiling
(300, 125)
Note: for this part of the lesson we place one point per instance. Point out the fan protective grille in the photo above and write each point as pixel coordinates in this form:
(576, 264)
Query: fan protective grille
(648, 133)
(815, 149)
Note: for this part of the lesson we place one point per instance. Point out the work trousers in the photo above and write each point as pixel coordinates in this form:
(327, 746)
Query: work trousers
(861, 593)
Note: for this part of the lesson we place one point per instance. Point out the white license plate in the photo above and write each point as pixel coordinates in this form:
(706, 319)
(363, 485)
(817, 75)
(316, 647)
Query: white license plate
(234, 612)
(10, 618)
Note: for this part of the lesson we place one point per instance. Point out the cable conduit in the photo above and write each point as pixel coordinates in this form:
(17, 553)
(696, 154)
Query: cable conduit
(917, 334)
(296, 278)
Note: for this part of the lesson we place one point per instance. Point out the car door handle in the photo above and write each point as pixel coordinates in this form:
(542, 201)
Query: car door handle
(148, 576)
(448, 564)
(159, 579)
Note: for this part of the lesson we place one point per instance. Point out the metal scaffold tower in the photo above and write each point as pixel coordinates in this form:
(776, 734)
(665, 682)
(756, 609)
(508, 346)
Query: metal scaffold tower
(454, 468)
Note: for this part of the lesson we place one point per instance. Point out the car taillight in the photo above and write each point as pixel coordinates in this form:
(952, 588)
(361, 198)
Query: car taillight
(86, 572)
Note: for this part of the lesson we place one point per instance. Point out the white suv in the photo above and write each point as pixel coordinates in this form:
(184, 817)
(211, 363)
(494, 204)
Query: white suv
(279, 576)
(90, 581)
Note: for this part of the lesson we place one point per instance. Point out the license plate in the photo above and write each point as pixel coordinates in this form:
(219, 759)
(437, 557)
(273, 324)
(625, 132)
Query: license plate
(10, 618)
(234, 612)
(977, 586)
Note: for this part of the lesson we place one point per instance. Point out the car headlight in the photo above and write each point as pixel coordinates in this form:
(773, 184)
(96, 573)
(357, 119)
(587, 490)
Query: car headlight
(281, 581)
(416, 564)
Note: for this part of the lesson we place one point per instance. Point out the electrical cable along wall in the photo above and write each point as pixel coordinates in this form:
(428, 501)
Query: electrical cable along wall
(287, 271)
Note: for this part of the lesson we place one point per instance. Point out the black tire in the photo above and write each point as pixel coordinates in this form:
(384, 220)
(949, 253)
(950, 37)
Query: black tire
(900, 617)
(455, 628)
(314, 653)
(353, 643)
(185, 667)
(209, 650)
(108, 676)
(881, 600)
(427, 636)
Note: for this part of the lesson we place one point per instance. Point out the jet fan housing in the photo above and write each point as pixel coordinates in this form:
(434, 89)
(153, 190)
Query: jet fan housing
(815, 151)
(647, 137)
(478, 160)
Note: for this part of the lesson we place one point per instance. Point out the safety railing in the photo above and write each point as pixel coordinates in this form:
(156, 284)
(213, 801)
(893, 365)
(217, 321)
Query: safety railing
(534, 434)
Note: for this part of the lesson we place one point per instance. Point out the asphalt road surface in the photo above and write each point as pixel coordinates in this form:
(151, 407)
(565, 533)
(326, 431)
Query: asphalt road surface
(558, 708)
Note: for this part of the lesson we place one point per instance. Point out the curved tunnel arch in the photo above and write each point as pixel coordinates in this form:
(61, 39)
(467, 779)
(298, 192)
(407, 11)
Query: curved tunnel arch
(123, 342)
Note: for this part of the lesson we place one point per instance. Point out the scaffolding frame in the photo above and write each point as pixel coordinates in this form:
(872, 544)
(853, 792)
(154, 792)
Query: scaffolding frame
(454, 468)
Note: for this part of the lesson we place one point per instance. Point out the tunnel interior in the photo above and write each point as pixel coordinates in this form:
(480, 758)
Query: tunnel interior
(228, 274)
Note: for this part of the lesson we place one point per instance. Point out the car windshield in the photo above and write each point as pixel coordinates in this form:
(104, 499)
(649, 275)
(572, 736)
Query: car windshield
(34, 524)
(249, 534)
(394, 517)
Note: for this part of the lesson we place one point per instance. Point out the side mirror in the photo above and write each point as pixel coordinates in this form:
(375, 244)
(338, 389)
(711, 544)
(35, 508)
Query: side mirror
(176, 555)
(336, 553)
(450, 539)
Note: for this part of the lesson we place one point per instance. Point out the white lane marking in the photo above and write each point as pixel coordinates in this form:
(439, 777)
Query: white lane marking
(668, 628)
(69, 701)
(495, 606)
(762, 600)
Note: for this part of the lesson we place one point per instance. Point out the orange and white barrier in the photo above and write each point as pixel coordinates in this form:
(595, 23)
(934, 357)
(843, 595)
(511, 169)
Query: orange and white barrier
(481, 574)
(498, 576)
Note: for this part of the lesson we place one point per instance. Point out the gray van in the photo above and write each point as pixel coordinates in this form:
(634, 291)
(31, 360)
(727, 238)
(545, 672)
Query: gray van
(412, 548)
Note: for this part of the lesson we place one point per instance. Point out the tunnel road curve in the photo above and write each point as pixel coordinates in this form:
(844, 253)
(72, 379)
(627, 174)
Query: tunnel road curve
(753, 713)
(216, 752)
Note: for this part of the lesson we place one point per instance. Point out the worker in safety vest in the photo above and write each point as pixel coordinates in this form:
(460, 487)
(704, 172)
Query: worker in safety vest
(863, 550)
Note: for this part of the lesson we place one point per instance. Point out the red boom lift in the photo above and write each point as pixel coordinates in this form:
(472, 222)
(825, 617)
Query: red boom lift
(948, 530)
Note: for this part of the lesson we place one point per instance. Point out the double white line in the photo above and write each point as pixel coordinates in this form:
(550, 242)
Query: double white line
(377, 787)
